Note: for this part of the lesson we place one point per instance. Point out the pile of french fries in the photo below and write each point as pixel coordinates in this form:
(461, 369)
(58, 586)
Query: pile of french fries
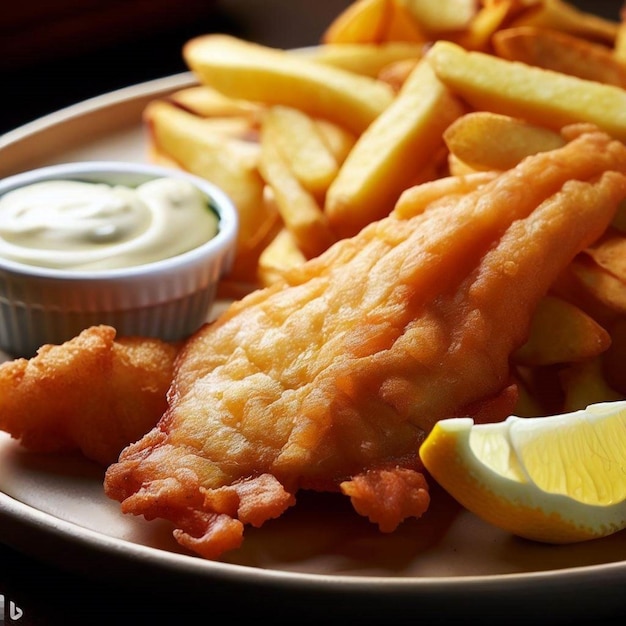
(312, 145)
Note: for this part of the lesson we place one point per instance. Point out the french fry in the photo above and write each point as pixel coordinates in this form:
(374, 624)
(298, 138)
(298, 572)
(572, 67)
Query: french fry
(207, 102)
(391, 152)
(540, 96)
(490, 141)
(301, 144)
(584, 384)
(366, 59)
(402, 25)
(396, 73)
(456, 167)
(595, 290)
(242, 129)
(565, 17)
(240, 69)
(374, 22)
(443, 16)
(560, 332)
(363, 21)
(280, 255)
(300, 212)
(490, 17)
(338, 140)
(561, 52)
(610, 254)
(228, 163)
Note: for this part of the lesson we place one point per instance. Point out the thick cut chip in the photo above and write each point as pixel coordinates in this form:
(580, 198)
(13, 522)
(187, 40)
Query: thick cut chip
(443, 16)
(490, 141)
(610, 254)
(396, 73)
(560, 52)
(374, 22)
(490, 17)
(594, 290)
(367, 59)
(240, 69)
(301, 214)
(363, 21)
(565, 17)
(207, 102)
(280, 255)
(537, 95)
(402, 25)
(298, 139)
(600, 285)
(230, 163)
(560, 332)
(390, 154)
(338, 139)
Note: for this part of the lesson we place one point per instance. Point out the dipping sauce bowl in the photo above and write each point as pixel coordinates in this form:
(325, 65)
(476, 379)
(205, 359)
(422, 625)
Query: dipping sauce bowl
(168, 298)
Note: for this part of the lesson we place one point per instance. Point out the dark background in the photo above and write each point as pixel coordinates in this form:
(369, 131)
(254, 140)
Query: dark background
(57, 57)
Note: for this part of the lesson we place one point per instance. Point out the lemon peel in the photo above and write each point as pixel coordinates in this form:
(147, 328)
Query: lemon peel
(554, 479)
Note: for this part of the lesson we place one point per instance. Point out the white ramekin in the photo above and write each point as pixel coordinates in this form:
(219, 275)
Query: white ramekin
(169, 299)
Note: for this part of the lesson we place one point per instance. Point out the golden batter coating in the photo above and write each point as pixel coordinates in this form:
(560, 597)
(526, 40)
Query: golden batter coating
(331, 379)
(94, 393)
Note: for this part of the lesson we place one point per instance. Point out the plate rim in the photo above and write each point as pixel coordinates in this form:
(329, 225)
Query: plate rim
(84, 107)
(48, 524)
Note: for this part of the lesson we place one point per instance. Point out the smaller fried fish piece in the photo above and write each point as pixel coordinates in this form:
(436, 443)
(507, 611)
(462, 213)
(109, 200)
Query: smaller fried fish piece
(94, 393)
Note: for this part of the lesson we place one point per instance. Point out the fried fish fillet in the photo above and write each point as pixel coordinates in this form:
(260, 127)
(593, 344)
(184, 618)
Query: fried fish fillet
(331, 379)
(94, 393)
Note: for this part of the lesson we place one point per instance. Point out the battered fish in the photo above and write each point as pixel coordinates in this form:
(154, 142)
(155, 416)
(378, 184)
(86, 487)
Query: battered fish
(330, 380)
(94, 393)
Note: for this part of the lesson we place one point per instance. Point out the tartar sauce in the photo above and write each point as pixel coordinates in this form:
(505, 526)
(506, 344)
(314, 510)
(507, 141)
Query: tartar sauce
(74, 225)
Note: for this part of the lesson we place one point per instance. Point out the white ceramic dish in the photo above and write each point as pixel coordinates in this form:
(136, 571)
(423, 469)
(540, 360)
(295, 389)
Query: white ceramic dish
(320, 555)
(167, 298)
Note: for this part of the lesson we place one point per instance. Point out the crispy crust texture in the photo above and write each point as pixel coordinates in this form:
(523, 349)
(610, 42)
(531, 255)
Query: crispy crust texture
(331, 379)
(94, 393)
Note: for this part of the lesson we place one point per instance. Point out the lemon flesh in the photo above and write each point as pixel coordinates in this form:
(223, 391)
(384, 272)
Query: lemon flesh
(555, 479)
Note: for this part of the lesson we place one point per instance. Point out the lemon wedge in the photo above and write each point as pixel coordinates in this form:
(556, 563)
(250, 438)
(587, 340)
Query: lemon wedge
(555, 479)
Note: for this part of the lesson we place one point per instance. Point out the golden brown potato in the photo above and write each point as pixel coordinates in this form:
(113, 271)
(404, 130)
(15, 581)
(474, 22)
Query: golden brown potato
(240, 69)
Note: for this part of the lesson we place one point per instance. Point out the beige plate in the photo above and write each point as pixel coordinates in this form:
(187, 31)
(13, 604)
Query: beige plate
(320, 553)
